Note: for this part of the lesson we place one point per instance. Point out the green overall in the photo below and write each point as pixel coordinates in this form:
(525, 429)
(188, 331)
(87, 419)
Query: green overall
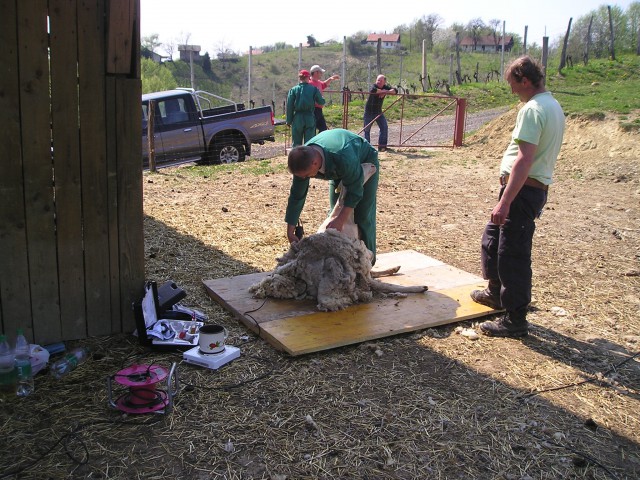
(344, 151)
(301, 102)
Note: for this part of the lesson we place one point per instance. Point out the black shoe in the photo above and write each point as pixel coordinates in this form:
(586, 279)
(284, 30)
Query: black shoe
(505, 327)
(485, 297)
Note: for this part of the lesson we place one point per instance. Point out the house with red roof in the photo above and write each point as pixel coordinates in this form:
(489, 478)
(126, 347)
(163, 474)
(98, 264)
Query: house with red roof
(388, 40)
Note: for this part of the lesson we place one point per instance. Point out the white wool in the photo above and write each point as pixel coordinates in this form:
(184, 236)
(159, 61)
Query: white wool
(327, 266)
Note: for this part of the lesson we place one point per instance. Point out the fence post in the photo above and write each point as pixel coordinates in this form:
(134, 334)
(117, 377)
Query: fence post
(345, 108)
(151, 145)
(458, 135)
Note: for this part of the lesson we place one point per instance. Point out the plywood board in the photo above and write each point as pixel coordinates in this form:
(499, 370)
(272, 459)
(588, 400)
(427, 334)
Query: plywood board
(297, 327)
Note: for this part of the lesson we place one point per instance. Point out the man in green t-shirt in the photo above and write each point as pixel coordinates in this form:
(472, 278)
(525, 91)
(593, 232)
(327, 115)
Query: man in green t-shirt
(336, 155)
(525, 175)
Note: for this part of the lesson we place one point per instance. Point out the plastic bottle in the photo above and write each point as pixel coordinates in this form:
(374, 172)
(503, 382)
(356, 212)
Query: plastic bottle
(193, 326)
(24, 374)
(7, 368)
(70, 361)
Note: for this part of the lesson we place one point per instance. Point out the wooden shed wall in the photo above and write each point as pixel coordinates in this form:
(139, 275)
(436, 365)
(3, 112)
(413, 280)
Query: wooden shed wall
(71, 221)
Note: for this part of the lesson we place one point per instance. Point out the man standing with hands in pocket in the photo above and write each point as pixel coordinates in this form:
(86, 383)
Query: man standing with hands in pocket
(525, 175)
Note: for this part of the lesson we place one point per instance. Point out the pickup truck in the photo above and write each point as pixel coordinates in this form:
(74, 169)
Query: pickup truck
(197, 126)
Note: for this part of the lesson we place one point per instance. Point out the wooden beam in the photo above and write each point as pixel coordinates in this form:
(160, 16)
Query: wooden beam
(33, 40)
(95, 173)
(122, 37)
(15, 301)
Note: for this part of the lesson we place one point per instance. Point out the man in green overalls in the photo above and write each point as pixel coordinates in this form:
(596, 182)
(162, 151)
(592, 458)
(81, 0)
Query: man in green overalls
(301, 102)
(336, 155)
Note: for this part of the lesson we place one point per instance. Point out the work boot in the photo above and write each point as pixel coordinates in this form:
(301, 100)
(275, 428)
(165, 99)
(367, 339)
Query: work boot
(509, 325)
(485, 297)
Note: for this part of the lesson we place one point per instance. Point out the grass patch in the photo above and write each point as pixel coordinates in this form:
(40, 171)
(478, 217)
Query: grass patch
(253, 168)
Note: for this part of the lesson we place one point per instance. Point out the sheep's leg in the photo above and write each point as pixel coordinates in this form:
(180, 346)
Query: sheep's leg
(385, 273)
(383, 287)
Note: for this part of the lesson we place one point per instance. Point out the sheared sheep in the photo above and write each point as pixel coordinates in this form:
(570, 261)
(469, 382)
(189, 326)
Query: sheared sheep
(350, 228)
(331, 266)
(328, 266)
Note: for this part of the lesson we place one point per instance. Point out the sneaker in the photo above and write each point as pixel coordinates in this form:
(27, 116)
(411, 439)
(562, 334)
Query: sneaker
(485, 297)
(504, 327)
(382, 149)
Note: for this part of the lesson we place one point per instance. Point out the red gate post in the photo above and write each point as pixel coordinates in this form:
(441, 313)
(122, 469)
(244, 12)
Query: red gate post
(345, 109)
(458, 135)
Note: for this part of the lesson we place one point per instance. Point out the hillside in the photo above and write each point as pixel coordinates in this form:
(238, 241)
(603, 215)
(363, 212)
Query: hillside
(274, 73)
(580, 88)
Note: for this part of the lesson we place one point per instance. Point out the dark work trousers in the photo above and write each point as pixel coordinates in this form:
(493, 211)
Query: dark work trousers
(506, 250)
(382, 124)
(321, 123)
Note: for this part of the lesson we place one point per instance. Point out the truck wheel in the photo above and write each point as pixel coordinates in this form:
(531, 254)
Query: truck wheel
(230, 153)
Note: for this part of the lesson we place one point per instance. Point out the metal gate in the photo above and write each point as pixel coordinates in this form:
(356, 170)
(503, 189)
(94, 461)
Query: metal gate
(444, 115)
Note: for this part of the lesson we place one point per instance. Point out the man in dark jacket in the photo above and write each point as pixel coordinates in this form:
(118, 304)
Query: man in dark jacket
(373, 111)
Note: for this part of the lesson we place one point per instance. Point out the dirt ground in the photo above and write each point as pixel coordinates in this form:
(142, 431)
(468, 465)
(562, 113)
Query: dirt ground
(561, 403)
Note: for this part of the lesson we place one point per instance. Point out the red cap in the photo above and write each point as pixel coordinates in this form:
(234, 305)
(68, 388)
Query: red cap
(304, 73)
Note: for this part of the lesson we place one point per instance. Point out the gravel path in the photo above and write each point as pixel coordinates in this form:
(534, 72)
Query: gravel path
(414, 134)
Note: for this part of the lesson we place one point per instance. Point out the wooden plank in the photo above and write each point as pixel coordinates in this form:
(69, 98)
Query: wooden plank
(121, 36)
(233, 294)
(112, 197)
(408, 260)
(135, 43)
(130, 212)
(15, 301)
(66, 161)
(378, 319)
(95, 176)
(36, 147)
(298, 327)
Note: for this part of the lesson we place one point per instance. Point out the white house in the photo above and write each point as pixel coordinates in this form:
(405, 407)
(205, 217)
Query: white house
(387, 40)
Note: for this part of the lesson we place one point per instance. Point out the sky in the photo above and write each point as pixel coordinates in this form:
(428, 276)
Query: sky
(219, 24)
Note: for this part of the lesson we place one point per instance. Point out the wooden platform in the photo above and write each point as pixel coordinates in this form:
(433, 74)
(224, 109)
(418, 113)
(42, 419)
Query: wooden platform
(297, 327)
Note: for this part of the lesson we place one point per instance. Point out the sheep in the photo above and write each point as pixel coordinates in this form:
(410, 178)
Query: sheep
(332, 266)
(350, 228)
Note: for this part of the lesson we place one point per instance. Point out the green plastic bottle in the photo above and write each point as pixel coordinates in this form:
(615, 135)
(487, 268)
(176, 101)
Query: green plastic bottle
(7, 368)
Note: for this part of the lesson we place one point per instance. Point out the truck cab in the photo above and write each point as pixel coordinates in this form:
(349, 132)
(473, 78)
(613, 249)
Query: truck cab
(197, 126)
(178, 132)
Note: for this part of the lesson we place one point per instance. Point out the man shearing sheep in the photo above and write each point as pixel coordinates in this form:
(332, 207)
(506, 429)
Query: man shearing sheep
(336, 155)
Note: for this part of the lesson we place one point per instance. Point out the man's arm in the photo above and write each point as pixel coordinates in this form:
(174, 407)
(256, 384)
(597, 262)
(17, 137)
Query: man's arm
(331, 79)
(340, 220)
(317, 96)
(291, 235)
(291, 100)
(518, 176)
